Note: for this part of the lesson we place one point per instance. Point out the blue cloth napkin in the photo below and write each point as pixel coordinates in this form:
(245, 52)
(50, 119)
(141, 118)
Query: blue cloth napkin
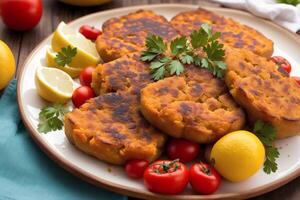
(26, 173)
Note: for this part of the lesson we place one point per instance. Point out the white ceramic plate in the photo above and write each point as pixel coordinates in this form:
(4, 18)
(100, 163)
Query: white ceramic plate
(56, 145)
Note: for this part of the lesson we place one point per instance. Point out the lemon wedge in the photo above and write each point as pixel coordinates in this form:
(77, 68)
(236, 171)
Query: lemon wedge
(87, 54)
(50, 61)
(53, 84)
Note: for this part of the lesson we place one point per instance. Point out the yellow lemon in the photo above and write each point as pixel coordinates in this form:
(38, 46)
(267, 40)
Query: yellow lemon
(7, 65)
(238, 155)
(54, 85)
(87, 54)
(85, 2)
(50, 61)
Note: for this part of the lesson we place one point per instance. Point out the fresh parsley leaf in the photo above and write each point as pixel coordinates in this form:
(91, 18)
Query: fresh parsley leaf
(207, 29)
(65, 56)
(176, 67)
(155, 44)
(148, 56)
(267, 133)
(187, 59)
(159, 73)
(51, 118)
(270, 164)
(178, 45)
(199, 38)
(169, 59)
(215, 51)
(156, 64)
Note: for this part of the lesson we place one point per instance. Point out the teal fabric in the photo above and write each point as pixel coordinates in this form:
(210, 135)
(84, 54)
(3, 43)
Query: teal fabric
(26, 173)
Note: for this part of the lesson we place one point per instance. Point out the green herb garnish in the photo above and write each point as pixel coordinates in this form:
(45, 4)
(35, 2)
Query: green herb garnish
(291, 2)
(51, 118)
(170, 59)
(267, 133)
(65, 56)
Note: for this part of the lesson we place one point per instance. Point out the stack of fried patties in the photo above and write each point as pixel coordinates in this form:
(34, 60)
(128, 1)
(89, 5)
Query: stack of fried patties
(132, 115)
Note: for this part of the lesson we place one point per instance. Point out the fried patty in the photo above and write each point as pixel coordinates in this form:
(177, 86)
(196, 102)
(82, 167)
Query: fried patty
(111, 128)
(195, 106)
(126, 34)
(233, 33)
(265, 92)
(127, 73)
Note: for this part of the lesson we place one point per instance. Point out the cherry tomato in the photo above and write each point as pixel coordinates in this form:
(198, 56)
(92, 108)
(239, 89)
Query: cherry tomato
(90, 32)
(81, 95)
(204, 178)
(135, 168)
(21, 15)
(166, 177)
(297, 79)
(184, 150)
(85, 76)
(282, 63)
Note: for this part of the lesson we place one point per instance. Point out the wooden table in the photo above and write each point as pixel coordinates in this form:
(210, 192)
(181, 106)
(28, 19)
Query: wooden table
(23, 42)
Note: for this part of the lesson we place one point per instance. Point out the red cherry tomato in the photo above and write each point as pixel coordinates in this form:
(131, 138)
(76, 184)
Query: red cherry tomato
(90, 32)
(135, 168)
(282, 63)
(166, 177)
(184, 150)
(85, 76)
(81, 95)
(21, 15)
(297, 79)
(204, 178)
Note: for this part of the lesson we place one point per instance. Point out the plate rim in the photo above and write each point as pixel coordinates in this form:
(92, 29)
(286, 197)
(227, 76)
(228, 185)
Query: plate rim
(90, 178)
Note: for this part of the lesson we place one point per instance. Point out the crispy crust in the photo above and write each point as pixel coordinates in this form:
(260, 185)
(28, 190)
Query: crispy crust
(126, 34)
(111, 128)
(195, 106)
(233, 33)
(127, 73)
(264, 91)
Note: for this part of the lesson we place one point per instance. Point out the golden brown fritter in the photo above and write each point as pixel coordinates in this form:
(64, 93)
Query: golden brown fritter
(265, 92)
(195, 106)
(126, 34)
(127, 73)
(111, 128)
(233, 33)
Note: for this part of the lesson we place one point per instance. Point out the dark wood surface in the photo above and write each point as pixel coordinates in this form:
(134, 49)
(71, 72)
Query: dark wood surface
(22, 43)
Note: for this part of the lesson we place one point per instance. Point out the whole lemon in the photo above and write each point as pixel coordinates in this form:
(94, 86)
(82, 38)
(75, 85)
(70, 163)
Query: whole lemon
(238, 155)
(7, 65)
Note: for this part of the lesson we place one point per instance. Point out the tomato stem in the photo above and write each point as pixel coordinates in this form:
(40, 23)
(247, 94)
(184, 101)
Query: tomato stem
(167, 167)
(205, 169)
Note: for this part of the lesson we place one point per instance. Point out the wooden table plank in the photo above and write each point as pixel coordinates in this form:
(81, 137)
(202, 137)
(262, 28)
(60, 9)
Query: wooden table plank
(54, 12)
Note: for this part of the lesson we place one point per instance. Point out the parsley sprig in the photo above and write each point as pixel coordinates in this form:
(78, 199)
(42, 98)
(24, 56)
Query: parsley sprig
(291, 2)
(51, 118)
(267, 133)
(169, 59)
(65, 56)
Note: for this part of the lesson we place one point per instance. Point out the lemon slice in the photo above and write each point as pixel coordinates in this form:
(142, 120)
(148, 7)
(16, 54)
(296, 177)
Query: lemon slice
(53, 84)
(50, 61)
(86, 51)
